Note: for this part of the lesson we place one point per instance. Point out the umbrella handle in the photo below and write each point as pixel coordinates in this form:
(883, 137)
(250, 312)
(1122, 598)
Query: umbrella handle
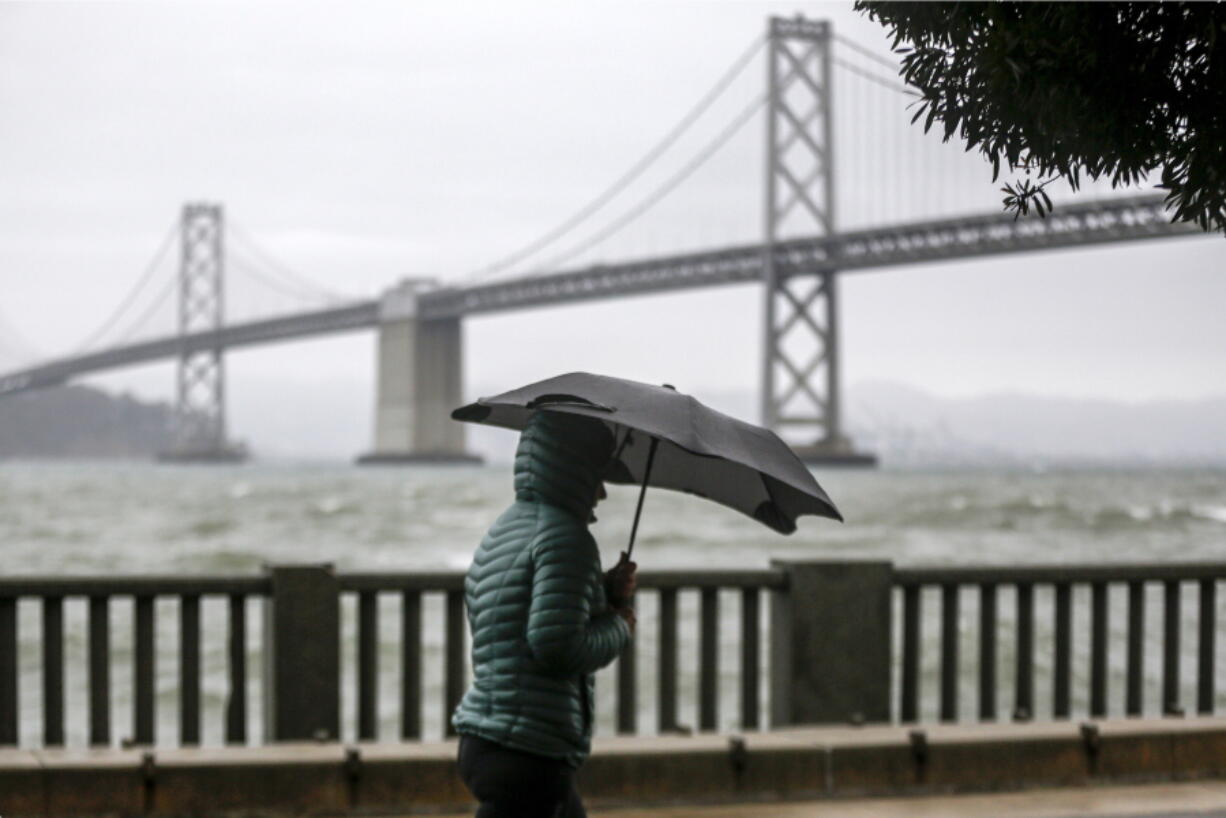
(651, 456)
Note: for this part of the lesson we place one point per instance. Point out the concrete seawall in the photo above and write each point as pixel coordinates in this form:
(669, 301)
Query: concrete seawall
(795, 763)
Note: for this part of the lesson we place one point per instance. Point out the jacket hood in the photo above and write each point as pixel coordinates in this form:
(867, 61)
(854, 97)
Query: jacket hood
(560, 459)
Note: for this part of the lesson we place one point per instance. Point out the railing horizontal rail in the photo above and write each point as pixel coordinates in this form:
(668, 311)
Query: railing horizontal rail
(404, 581)
(773, 579)
(132, 585)
(1056, 573)
(767, 578)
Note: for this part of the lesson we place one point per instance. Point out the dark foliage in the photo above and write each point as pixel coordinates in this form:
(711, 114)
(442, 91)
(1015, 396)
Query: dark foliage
(1076, 90)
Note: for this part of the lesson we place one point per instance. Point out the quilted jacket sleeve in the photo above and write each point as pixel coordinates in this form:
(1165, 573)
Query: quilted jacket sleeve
(565, 636)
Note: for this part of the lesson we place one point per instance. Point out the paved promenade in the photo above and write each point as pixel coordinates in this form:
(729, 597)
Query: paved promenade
(1031, 769)
(1199, 798)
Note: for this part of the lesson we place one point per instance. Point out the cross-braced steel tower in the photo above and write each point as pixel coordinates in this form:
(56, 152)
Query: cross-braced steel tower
(801, 343)
(200, 416)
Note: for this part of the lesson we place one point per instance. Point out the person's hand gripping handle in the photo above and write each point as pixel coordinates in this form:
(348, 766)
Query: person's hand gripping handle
(620, 582)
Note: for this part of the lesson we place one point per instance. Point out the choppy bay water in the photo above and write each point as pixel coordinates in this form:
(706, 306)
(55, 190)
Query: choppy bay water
(106, 518)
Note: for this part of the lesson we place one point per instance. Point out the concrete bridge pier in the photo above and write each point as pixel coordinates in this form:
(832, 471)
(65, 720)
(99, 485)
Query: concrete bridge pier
(419, 379)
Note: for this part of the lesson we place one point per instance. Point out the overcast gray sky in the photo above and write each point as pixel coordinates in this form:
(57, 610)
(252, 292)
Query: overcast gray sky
(362, 142)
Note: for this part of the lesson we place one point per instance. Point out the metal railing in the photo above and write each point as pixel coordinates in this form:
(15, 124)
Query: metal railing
(1063, 581)
(666, 585)
(831, 655)
(367, 587)
(51, 593)
(362, 591)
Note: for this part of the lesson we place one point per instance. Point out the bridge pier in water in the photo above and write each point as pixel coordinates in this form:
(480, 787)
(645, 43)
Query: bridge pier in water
(419, 380)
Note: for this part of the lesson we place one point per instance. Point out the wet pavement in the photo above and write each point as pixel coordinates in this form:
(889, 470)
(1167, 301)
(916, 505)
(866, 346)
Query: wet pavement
(1199, 798)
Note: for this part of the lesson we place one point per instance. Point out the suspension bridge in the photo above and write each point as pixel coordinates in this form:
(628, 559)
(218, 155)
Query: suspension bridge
(819, 96)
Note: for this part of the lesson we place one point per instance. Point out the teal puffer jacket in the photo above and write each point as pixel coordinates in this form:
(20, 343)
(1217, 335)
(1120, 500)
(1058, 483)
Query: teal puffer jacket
(540, 621)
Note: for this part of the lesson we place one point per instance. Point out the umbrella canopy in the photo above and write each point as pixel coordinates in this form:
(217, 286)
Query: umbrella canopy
(675, 442)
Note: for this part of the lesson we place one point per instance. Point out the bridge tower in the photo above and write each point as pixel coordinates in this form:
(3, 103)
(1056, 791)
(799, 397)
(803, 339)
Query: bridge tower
(199, 433)
(801, 396)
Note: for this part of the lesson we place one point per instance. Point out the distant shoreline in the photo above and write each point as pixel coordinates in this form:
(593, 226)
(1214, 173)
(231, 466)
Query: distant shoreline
(908, 428)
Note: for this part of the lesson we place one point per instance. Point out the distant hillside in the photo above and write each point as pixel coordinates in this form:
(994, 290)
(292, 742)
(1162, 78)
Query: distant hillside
(79, 421)
(908, 426)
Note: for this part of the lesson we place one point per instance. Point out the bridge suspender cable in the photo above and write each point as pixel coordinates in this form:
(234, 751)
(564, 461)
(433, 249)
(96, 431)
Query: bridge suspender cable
(130, 298)
(596, 204)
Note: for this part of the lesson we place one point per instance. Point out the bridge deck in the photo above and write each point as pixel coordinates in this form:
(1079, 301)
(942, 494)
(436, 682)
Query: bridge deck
(1101, 221)
(1087, 223)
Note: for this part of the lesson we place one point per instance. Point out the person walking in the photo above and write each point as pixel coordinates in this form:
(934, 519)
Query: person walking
(544, 619)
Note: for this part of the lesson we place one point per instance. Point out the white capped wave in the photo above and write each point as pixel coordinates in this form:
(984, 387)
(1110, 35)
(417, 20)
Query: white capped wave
(1205, 512)
(330, 505)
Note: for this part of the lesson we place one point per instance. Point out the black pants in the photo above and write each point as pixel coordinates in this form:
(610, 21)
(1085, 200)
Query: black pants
(514, 784)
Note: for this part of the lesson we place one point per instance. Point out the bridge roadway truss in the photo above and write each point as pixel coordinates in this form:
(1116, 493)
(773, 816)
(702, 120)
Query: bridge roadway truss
(1113, 220)
(1072, 225)
(358, 316)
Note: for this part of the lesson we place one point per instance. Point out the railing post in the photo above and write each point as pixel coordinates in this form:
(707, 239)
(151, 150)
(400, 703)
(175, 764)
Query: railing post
(302, 654)
(830, 643)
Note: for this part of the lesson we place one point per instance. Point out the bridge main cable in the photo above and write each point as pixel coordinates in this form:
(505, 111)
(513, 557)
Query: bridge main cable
(663, 190)
(133, 292)
(290, 282)
(595, 205)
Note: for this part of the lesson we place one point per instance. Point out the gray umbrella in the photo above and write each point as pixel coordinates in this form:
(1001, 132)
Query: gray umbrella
(668, 439)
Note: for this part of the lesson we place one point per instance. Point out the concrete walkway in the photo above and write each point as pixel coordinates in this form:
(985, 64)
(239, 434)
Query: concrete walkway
(1198, 798)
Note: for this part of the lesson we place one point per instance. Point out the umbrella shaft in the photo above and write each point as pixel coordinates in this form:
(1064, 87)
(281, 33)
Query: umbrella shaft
(638, 511)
